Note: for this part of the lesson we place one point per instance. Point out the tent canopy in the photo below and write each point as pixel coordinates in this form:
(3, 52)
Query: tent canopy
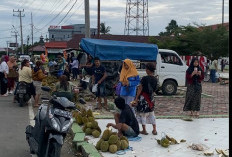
(119, 50)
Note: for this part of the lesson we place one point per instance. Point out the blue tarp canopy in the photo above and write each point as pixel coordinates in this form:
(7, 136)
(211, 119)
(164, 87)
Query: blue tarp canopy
(119, 50)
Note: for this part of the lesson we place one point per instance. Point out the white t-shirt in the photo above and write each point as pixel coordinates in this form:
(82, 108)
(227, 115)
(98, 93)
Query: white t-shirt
(4, 67)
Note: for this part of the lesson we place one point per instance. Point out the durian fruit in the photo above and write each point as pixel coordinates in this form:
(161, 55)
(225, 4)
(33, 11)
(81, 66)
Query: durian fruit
(89, 113)
(104, 146)
(118, 145)
(164, 142)
(83, 112)
(158, 141)
(113, 148)
(172, 140)
(113, 139)
(98, 145)
(124, 144)
(84, 128)
(106, 135)
(89, 125)
(99, 129)
(91, 119)
(96, 133)
(124, 138)
(88, 131)
(95, 124)
(114, 133)
(79, 119)
(85, 120)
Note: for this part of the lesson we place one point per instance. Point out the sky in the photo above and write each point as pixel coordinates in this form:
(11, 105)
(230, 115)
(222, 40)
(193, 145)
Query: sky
(51, 12)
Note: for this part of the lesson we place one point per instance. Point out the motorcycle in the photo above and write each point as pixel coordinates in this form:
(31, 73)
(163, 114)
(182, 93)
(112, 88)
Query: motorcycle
(22, 96)
(52, 123)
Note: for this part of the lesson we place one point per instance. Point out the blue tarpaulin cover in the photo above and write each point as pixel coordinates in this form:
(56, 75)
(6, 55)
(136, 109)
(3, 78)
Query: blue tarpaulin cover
(119, 50)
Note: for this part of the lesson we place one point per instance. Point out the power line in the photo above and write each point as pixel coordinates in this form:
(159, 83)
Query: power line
(73, 12)
(68, 12)
(56, 15)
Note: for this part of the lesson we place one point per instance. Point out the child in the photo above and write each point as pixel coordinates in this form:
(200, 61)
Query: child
(66, 72)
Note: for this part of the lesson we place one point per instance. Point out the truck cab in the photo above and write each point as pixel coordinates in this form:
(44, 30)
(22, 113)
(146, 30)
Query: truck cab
(170, 71)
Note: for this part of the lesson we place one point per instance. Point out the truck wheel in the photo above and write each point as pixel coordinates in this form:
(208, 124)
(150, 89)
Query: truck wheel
(169, 87)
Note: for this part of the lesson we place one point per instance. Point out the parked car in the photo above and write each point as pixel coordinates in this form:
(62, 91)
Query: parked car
(170, 68)
(22, 57)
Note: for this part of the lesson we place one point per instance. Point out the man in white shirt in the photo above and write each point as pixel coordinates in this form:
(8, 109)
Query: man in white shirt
(4, 70)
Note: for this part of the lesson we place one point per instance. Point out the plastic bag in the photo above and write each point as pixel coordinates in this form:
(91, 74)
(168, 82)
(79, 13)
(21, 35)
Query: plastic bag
(94, 88)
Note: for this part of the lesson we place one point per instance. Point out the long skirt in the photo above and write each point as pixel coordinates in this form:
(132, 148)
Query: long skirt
(193, 98)
(3, 84)
(11, 82)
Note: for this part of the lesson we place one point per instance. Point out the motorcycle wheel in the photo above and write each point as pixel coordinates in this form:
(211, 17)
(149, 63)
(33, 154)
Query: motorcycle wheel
(21, 102)
(54, 149)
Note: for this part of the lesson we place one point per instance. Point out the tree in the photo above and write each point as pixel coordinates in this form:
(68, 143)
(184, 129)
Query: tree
(170, 29)
(104, 29)
(194, 40)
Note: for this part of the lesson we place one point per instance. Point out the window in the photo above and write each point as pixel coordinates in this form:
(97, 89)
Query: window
(52, 35)
(170, 58)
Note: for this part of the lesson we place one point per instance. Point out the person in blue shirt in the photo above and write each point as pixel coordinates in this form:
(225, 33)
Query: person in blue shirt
(98, 77)
(129, 80)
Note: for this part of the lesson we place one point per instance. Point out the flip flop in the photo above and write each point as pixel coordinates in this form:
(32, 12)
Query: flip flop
(144, 133)
(154, 133)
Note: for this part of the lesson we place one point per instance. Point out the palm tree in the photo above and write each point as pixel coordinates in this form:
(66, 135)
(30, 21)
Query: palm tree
(104, 29)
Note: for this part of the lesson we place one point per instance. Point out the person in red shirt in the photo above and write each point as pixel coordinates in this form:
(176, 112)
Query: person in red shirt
(194, 76)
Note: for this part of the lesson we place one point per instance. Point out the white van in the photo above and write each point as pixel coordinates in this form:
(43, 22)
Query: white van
(170, 71)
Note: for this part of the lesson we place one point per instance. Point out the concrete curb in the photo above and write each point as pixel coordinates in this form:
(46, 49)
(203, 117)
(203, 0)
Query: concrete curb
(87, 149)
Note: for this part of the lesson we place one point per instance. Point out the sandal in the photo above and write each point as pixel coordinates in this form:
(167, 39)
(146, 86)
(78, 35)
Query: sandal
(154, 133)
(143, 132)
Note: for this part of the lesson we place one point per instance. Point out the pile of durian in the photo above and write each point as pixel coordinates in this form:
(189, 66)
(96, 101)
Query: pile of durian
(110, 141)
(167, 140)
(50, 81)
(86, 118)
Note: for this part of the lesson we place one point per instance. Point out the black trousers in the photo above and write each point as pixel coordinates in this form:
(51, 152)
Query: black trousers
(3, 84)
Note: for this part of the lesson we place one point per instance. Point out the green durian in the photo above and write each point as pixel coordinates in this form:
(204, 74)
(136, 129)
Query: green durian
(79, 119)
(106, 135)
(118, 145)
(88, 131)
(104, 146)
(98, 145)
(89, 124)
(91, 119)
(85, 120)
(96, 133)
(124, 138)
(113, 148)
(124, 144)
(89, 113)
(113, 139)
(94, 124)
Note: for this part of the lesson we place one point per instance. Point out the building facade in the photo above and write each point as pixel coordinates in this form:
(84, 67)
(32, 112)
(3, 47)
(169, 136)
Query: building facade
(65, 33)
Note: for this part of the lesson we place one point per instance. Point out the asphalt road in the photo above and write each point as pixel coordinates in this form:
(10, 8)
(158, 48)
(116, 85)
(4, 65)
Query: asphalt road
(13, 121)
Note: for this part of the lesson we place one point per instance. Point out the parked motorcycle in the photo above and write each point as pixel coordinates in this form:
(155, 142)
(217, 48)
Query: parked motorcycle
(52, 123)
(22, 96)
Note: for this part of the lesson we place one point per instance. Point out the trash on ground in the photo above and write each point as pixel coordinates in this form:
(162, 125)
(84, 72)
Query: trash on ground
(198, 147)
(208, 153)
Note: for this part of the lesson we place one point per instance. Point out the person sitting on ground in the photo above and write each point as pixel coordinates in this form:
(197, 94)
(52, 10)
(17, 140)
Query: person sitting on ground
(64, 88)
(67, 72)
(126, 123)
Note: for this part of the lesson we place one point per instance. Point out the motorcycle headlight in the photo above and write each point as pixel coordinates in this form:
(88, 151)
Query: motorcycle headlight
(66, 126)
(55, 124)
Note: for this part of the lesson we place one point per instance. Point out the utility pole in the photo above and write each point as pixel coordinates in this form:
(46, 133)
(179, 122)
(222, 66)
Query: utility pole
(32, 33)
(16, 39)
(21, 31)
(98, 20)
(28, 38)
(7, 52)
(222, 12)
(87, 19)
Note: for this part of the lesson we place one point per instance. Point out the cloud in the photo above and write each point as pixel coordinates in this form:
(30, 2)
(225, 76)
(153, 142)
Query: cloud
(161, 12)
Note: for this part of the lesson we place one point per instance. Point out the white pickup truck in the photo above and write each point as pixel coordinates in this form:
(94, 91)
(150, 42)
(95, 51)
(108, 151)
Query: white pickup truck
(170, 71)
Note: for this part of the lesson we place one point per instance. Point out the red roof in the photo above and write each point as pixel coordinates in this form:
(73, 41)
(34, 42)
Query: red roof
(56, 45)
(38, 48)
(217, 25)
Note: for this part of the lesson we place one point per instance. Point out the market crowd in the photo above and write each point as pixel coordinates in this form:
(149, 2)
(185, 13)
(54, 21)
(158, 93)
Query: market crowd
(135, 99)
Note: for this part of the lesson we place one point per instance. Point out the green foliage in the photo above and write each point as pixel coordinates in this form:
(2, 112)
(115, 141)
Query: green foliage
(104, 29)
(194, 40)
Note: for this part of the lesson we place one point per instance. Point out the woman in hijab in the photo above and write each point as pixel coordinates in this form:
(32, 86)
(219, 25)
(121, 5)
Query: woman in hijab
(194, 76)
(129, 80)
